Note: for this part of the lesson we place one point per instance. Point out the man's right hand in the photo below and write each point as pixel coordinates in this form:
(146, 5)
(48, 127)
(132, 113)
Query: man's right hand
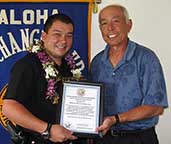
(60, 134)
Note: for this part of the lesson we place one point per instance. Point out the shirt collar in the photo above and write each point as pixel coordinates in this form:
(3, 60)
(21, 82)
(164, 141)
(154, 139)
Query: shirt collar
(128, 53)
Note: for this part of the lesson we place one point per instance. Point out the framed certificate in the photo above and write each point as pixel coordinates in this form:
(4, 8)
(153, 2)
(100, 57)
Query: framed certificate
(82, 106)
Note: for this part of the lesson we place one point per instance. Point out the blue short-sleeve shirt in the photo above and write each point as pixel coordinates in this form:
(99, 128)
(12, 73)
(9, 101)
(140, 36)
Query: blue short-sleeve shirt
(137, 80)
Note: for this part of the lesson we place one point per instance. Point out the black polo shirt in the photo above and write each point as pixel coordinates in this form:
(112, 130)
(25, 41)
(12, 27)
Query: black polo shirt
(28, 86)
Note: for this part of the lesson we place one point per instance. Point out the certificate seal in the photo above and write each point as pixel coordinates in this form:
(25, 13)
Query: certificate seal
(81, 92)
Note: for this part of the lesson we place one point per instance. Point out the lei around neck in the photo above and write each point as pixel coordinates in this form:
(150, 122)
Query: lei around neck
(52, 75)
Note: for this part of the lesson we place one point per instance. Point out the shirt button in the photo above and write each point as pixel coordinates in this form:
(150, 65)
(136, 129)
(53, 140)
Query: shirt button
(113, 73)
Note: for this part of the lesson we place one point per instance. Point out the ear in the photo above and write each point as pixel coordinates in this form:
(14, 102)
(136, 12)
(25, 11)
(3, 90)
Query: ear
(129, 25)
(43, 36)
(100, 27)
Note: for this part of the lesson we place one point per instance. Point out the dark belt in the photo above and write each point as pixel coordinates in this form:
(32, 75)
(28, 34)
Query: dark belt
(116, 133)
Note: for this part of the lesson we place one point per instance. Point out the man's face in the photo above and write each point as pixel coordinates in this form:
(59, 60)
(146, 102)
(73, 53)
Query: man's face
(113, 26)
(58, 39)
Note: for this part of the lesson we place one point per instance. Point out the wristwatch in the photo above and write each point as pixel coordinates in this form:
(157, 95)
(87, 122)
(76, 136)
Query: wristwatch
(117, 119)
(46, 133)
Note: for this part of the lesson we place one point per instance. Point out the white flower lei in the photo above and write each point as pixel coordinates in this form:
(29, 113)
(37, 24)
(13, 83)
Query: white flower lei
(51, 73)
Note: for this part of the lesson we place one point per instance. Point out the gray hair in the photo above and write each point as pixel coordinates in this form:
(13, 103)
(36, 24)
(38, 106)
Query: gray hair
(124, 10)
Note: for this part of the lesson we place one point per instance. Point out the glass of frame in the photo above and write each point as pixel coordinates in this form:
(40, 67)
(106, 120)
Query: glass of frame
(82, 108)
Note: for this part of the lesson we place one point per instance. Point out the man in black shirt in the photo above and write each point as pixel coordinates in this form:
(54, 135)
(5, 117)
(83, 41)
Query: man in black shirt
(33, 99)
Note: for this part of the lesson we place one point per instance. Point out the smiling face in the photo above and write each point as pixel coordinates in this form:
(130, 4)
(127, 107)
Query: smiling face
(58, 40)
(114, 26)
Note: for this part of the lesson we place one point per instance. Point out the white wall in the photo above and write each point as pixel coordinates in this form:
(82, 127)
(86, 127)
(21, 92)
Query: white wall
(152, 28)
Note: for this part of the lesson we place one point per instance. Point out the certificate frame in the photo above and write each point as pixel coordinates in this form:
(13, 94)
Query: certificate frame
(82, 108)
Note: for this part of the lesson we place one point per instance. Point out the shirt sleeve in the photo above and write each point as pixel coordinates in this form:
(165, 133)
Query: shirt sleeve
(153, 82)
(21, 83)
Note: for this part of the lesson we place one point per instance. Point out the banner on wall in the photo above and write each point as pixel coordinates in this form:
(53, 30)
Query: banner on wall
(22, 22)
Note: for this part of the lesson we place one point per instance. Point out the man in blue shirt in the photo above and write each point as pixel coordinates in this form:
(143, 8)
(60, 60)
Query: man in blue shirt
(135, 91)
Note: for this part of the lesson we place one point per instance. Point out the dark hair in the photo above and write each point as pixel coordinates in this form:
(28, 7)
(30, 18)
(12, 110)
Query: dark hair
(60, 17)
